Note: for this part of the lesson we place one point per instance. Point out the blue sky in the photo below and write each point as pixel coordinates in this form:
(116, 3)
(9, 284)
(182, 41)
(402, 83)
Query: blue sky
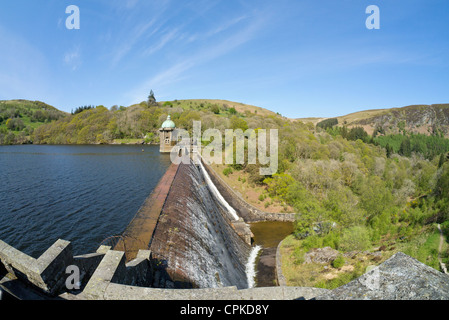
(301, 58)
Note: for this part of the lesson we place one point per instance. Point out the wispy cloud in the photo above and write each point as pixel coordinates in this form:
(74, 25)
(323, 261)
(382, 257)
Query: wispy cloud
(226, 25)
(205, 54)
(127, 45)
(135, 29)
(73, 58)
(163, 40)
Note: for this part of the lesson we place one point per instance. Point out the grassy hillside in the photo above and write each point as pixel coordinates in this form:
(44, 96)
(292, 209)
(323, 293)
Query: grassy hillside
(223, 105)
(19, 118)
(424, 119)
(140, 123)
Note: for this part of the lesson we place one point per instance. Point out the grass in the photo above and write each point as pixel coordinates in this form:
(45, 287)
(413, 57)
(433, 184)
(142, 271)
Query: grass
(423, 247)
(317, 275)
(195, 104)
(128, 141)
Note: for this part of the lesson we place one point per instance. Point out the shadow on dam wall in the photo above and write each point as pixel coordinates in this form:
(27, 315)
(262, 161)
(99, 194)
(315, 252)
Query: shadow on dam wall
(195, 243)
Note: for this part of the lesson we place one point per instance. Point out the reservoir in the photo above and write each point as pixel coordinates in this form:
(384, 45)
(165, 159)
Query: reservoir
(82, 194)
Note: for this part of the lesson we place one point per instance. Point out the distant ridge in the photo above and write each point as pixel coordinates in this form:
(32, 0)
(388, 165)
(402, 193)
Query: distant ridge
(424, 119)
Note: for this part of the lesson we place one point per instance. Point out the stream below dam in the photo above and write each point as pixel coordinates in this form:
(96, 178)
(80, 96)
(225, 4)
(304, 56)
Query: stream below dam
(268, 235)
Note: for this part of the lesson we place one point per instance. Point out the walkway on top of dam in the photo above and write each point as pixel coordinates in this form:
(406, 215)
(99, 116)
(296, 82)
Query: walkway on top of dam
(139, 232)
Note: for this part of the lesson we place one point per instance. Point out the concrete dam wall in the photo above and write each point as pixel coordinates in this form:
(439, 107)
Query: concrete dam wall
(196, 242)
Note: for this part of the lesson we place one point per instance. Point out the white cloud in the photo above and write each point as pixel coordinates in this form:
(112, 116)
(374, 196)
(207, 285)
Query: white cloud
(127, 45)
(178, 71)
(166, 38)
(73, 58)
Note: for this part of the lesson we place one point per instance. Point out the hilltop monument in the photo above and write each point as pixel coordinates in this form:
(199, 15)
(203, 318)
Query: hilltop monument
(167, 136)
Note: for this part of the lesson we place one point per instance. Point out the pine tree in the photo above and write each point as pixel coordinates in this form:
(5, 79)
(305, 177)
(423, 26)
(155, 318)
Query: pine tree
(151, 99)
(405, 149)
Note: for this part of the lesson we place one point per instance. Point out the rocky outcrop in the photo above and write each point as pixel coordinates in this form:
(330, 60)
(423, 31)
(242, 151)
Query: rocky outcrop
(419, 119)
(321, 255)
(399, 278)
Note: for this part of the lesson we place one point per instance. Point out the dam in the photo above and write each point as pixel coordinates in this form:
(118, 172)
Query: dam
(190, 240)
(183, 237)
(195, 241)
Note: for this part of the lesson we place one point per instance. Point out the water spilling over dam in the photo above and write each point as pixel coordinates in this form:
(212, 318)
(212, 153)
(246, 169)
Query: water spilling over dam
(197, 241)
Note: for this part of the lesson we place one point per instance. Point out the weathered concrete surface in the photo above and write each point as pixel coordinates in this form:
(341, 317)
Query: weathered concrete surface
(46, 272)
(194, 242)
(118, 292)
(111, 268)
(279, 275)
(138, 234)
(399, 278)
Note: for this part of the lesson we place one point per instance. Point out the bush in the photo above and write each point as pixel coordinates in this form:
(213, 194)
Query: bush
(227, 171)
(215, 109)
(338, 262)
(278, 185)
(355, 239)
(298, 255)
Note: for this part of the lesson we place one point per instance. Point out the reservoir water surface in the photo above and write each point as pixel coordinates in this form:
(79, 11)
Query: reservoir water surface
(82, 194)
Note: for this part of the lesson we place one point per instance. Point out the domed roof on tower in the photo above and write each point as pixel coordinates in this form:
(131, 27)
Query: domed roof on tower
(169, 124)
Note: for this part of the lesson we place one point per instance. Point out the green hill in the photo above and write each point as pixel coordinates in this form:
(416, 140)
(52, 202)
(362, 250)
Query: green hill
(140, 123)
(424, 119)
(19, 118)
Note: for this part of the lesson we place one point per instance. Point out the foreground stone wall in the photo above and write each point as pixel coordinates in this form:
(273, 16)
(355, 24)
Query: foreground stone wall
(46, 272)
(399, 278)
(106, 276)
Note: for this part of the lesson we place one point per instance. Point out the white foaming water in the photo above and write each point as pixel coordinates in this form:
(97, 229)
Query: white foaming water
(217, 193)
(251, 266)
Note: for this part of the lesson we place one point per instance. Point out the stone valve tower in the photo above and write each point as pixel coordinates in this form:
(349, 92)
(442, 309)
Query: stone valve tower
(167, 135)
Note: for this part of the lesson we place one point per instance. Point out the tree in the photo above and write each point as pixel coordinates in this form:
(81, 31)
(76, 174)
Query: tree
(238, 123)
(442, 160)
(406, 148)
(215, 109)
(152, 99)
(328, 123)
